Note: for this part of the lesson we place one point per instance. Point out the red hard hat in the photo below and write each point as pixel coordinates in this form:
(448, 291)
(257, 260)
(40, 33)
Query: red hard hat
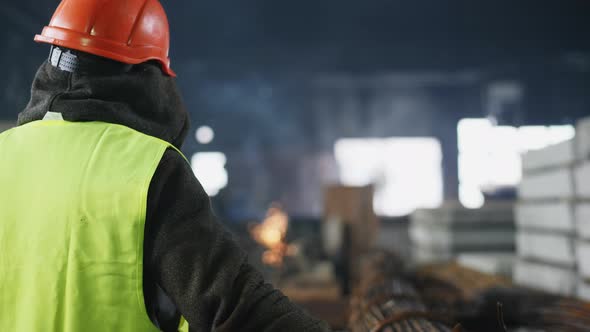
(128, 31)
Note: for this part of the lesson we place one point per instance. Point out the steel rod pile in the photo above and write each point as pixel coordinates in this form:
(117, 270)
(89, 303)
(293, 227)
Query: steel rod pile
(487, 303)
(528, 309)
(386, 301)
(434, 298)
(453, 290)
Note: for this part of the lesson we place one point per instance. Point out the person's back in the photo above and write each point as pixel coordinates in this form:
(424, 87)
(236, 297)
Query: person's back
(72, 226)
(103, 226)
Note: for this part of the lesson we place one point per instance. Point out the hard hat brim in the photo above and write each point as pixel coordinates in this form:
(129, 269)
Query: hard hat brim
(105, 48)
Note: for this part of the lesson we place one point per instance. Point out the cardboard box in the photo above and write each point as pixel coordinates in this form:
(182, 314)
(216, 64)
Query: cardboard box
(351, 204)
(550, 216)
(353, 207)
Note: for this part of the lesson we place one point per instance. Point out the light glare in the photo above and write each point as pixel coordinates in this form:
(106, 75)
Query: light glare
(209, 168)
(406, 172)
(490, 156)
(205, 135)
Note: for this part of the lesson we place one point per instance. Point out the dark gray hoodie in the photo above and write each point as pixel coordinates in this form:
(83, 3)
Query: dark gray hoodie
(192, 265)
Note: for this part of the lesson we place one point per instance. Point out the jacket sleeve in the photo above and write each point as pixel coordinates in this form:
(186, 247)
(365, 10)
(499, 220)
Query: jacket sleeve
(200, 267)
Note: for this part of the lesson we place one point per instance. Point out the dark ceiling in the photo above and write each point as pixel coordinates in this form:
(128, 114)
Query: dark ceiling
(236, 40)
(401, 33)
(355, 33)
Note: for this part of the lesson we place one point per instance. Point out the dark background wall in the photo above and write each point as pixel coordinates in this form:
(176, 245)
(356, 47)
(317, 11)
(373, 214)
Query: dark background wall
(280, 81)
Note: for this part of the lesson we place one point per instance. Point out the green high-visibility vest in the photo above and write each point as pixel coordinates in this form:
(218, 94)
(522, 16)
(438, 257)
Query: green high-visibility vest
(73, 202)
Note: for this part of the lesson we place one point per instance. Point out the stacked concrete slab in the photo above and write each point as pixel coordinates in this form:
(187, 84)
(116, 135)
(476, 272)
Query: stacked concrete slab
(546, 236)
(485, 235)
(582, 208)
(553, 217)
(491, 263)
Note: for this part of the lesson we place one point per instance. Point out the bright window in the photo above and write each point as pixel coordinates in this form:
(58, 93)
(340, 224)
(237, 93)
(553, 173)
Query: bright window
(406, 172)
(490, 156)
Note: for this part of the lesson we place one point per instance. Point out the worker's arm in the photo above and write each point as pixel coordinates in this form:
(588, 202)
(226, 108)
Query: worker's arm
(198, 264)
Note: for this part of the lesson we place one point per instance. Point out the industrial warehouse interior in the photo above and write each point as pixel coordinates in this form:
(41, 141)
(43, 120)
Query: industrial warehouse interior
(387, 165)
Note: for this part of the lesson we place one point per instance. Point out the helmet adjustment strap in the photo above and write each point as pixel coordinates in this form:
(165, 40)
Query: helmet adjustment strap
(63, 59)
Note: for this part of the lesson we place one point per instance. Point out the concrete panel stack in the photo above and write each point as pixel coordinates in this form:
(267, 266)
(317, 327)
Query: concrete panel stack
(494, 264)
(582, 208)
(546, 236)
(485, 235)
(553, 217)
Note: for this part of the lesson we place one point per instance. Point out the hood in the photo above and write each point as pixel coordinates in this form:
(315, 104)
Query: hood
(139, 97)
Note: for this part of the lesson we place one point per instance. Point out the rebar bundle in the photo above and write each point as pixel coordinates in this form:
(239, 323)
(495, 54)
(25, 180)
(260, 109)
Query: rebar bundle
(528, 309)
(386, 302)
(454, 291)
(433, 299)
(488, 303)
(567, 315)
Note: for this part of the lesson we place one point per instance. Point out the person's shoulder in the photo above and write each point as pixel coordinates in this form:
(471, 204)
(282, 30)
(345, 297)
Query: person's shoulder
(173, 181)
(174, 161)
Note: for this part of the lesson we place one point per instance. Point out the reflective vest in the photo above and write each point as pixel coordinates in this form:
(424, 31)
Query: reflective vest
(73, 202)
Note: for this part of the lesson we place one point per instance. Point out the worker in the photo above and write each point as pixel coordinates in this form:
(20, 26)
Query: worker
(103, 226)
